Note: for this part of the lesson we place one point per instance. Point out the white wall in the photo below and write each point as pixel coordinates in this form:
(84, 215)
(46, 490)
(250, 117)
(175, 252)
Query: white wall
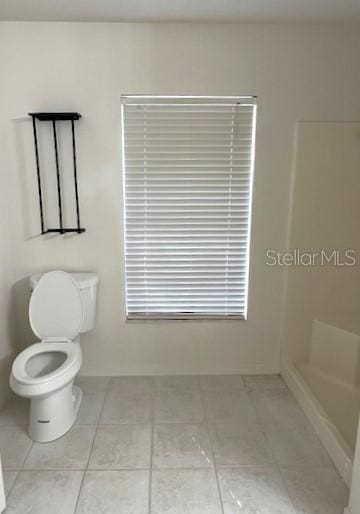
(298, 72)
(7, 337)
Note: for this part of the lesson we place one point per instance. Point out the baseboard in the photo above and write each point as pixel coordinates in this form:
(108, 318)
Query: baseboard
(89, 371)
(2, 491)
(330, 437)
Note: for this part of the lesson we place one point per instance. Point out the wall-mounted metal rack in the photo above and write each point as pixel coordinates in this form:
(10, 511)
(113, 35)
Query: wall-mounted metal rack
(54, 117)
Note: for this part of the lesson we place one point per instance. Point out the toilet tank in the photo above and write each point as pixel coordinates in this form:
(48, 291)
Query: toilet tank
(87, 283)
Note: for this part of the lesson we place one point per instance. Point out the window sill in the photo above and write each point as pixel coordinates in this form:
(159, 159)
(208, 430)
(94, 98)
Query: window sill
(184, 317)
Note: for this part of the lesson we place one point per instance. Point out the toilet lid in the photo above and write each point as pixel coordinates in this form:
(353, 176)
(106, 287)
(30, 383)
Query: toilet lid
(55, 309)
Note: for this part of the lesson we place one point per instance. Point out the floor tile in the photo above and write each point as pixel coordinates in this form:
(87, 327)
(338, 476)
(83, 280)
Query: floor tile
(221, 383)
(299, 446)
(126, 407)
(181, 446)
(255, 490)
(93, 384)
(121, 446)
(176, 382)
(178, 407)
(69, 452)
(239, 444)
(9, 479)
(44, 492)
(90, 408)
(264, 383)
(15, 412)
(278, 409)
(229, 406)
(183, 490)
(14, 447)
(131, 384)
(114, 492)
(316, 490)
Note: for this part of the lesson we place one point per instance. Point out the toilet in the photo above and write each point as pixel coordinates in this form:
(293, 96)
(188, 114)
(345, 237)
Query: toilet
(62, 305)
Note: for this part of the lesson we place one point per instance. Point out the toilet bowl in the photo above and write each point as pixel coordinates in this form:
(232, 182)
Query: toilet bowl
(44, 372)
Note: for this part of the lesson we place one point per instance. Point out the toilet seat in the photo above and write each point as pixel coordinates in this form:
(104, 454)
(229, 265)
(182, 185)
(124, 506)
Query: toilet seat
(26, 385)
(70, 349)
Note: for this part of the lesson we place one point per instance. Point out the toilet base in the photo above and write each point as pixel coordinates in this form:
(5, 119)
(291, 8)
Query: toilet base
(52, 416)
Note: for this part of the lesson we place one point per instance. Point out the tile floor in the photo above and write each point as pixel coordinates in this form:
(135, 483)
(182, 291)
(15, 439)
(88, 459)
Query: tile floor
(173, 445)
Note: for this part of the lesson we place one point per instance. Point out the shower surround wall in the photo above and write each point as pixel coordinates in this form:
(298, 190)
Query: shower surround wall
(321, 340)
(298, 72)
(325, 215)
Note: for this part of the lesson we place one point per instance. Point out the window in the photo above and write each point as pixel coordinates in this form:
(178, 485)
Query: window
(188, 166)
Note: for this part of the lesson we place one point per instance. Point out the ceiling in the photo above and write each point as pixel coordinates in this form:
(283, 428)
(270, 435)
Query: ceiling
(181, 10)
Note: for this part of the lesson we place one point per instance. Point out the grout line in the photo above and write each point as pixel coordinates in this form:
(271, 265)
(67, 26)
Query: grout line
(214, 467)
(274, 464)
(26, 457)
(160, 422)
(140, 468)
(83, 469)
(175, 468)
(7, 495)
(152, 419)
(287, 490)
(263, 429)
(188, 468)
(91, 448)
(22, 465)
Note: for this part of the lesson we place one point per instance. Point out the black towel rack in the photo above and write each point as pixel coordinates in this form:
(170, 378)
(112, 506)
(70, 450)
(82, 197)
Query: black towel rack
(54, 117)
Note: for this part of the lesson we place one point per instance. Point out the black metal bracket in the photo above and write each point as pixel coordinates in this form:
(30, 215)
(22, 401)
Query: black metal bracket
(53, 117)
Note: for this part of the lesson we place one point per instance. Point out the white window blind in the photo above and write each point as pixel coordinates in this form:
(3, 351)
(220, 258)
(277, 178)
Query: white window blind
(188, 166)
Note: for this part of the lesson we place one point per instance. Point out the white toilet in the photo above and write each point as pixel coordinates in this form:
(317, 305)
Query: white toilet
(62, 305)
